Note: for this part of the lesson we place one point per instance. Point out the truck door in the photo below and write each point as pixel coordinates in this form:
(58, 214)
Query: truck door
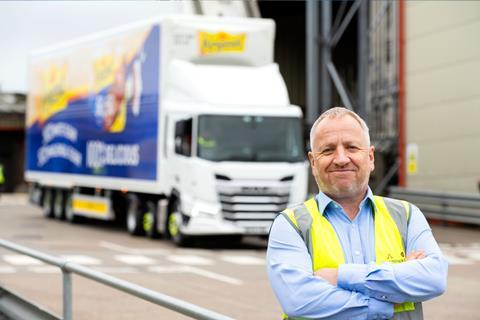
(182, 166)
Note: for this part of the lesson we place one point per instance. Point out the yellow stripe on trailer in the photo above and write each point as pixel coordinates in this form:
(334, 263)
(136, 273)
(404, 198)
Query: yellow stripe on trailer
(82, 205)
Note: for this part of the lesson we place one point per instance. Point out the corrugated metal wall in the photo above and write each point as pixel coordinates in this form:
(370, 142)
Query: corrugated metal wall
(443, 95)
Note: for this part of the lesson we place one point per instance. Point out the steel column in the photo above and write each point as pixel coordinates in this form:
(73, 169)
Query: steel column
(312, 108)
(362, 62)
(325, 56)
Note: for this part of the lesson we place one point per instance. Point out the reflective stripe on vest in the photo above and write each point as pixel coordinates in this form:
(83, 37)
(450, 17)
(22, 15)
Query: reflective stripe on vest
(390, 222)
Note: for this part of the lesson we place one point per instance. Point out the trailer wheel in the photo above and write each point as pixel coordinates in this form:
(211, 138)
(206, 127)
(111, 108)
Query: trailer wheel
(150, 223)
(173, 226)
(135, 216)
(69, 213)
(47, 205)
(59, 204)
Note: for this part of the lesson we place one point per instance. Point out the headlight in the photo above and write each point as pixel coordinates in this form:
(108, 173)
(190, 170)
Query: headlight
(205, 211)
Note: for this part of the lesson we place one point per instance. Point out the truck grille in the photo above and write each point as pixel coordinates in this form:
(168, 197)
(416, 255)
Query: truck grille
(243, 203)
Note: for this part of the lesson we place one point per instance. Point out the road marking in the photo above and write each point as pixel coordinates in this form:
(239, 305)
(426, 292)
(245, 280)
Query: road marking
(168, 269)
(45, 269)
(83, 260)
(461, 254)
(139, 251)
(115, 270)
(190, 260)
(21, 260)
(197, 271)
(215, 276)
(473, 255)
(7, 269)
(453, 260)
(244, 260)
(472, 252)
(134, 259)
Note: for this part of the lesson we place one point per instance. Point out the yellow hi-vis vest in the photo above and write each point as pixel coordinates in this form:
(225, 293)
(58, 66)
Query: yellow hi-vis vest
(390, 222)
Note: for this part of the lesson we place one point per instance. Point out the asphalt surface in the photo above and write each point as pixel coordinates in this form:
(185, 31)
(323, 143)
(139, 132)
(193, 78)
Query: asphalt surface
(225, 277)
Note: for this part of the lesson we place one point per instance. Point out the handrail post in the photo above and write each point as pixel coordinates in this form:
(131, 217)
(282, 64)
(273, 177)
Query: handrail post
(67, 295)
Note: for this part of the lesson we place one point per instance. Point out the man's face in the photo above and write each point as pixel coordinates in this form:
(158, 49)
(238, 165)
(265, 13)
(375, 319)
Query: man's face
(341, 158)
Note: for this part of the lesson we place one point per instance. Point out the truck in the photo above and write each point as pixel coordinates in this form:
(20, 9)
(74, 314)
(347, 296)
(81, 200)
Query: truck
(179, 126)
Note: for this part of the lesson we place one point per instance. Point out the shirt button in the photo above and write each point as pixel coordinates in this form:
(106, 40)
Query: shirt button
(357, 253)
(384, 297)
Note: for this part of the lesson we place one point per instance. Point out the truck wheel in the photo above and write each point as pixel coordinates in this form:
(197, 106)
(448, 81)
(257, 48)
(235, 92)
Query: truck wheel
(59, 205)
(69, 213)
(173, 226)
(150, 223)
(47, 205)
(135, 216)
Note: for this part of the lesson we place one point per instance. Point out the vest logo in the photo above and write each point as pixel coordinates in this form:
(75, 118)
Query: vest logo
(393, 259)
(220, 42)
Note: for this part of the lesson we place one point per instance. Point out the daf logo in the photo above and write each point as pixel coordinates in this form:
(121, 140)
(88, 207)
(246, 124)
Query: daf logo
(254, 189)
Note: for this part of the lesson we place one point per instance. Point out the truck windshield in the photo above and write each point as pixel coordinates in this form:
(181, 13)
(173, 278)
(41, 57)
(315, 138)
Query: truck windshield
(249, 138)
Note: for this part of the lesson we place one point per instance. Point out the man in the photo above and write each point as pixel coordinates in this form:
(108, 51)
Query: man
(347, 254)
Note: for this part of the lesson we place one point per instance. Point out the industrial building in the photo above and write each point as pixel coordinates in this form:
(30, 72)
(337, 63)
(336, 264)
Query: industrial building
(409, 67)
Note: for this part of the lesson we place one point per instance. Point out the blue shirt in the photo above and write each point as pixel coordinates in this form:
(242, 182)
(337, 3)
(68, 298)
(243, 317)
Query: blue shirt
(364, 290)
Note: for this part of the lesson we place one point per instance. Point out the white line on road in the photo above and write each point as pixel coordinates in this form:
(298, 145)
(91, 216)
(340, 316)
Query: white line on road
(215, 276)
(168, 269)
(6, 269)
(83, 260)
(21, 260)
(197, 271)
(113, 270)
(140, 251)
(134, 259)
(457, 260)
(471, 252)
(190, 260)
(244, 260)
(461, 254)
(472, 255)
(45, 269)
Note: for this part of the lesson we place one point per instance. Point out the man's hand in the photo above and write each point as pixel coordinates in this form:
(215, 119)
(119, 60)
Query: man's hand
(328, 274)
(416, 254)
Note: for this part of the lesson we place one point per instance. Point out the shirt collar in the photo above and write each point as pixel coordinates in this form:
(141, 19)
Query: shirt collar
(323, 200)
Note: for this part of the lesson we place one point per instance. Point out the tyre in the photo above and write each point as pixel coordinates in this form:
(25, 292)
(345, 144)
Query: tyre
(174, 221)
(150, 223)
(135, 216)
(35, 194)
(59, 204)
(69, 213)
(47, 205)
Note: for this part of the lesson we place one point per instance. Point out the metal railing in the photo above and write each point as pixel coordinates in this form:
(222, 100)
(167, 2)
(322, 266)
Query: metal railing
(446, 206)
(68, 268)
